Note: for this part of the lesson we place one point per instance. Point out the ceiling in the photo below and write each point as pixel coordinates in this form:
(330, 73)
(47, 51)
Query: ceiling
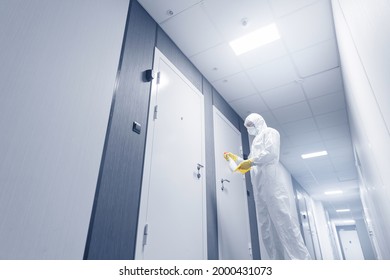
(295, 83)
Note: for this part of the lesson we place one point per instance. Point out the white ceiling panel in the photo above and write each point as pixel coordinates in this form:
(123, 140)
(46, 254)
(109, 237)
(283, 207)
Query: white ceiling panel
(338, 143)
(342, 163)
(228, 18)
(308, 148)
(308, 182)
(308, 26)
(332, 119)
(305, 138)
(247, 105)
(327, 103)
(301, 126)
(273, 74)
(326, 176)
(263, 54)
(192, 21)
(217, 62)
(347, 175)
(335, 153)
(162, 10)
(316, 59)
(283, 96)
(235, 86)
(271, 121)
(339, 131)
(284, 7)
(292, 113)
(319, 163)
(324, 83)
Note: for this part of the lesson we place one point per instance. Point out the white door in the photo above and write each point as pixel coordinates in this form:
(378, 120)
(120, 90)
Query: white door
(350, 244)
(172, 212)
(232, 206)
(307, 233)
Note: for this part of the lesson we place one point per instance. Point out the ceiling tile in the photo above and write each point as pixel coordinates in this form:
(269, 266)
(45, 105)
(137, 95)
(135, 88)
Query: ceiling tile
(308, 26)
(305, 138)
(284, 7)
(183, 26)
(324, 83)
(294, 166)
(247, 105)
(292, 113)
(284, 95)
(270, 120)
(339, 131)
(340, 152)
(298, 127)
(338, 143)
(347, 175)
(159, 10)
(325, 176)
(343, 163)
(332, 119)
(327, 103)
(235, 86)
(319, 163)
(227, 17)
(262, 55)
(217, 62)
(316, 59)
(273, 74)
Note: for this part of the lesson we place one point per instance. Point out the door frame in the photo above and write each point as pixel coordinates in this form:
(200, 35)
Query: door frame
(145, 184)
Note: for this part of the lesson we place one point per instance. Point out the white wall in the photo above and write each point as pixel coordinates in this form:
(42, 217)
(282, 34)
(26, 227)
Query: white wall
(362, 28)
(58, 63)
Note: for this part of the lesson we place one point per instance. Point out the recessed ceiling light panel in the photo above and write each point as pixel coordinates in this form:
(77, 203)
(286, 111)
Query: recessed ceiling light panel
(255, 39)
(343, 210)
(316, 154)
(333, 192)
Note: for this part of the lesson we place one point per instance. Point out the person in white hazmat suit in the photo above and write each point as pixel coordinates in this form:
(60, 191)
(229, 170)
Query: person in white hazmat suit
(278, 229)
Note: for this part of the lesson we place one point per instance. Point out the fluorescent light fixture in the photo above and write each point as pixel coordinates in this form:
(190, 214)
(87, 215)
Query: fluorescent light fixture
(343, 210)
(255, 39)
(316, 154)
(349, 221)
(333, 192)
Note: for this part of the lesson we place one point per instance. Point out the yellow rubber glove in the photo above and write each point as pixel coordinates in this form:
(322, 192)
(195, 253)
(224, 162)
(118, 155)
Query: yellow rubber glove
(226, 155)
(244, 166)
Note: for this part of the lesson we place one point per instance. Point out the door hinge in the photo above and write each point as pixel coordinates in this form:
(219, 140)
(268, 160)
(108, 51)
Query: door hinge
(158, 77)
(155, 112)
(145, 236)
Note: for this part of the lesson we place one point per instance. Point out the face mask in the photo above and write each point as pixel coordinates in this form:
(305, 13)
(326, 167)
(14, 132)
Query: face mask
(252, 130)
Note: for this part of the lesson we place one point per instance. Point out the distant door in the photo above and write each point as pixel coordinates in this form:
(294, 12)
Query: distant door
(304, 218)
(172, 213)
(232, 206)
(350, 244)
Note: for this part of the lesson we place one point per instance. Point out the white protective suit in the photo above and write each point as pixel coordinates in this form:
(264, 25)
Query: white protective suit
(278, 229)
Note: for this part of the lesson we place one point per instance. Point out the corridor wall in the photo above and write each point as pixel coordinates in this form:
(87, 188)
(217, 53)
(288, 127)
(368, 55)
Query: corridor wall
(361, 26)
(58, 65)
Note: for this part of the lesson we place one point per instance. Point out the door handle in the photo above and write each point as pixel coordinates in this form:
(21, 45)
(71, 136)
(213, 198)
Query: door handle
(199, 166)
(224, 180)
